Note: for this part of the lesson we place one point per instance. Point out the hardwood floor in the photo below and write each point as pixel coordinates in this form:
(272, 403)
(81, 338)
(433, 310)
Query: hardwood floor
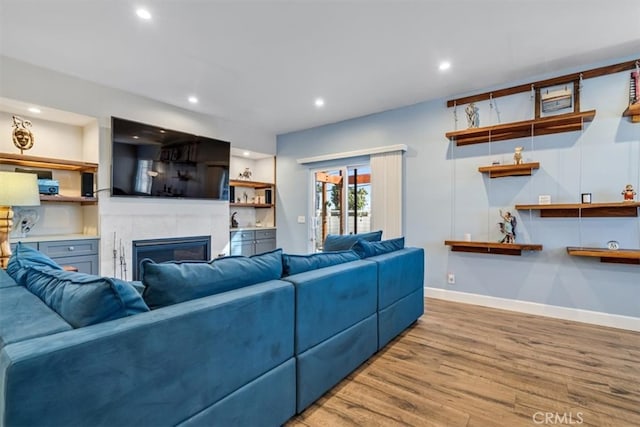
(466, 365)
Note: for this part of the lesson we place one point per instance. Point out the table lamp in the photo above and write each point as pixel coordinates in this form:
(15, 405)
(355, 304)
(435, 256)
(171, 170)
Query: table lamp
(16, 189)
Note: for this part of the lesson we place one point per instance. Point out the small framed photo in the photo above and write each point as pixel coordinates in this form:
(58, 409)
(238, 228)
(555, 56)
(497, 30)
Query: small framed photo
(586, 197)
(544, 199)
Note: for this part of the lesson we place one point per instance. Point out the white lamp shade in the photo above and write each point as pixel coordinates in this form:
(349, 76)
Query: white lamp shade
(19, 189)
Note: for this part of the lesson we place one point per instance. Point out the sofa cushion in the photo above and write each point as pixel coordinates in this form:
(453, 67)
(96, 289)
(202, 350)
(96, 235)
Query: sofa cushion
(294, 264)
(26, 256)
(343, 242)
(83, 299)
(367, 249)
(169, 283)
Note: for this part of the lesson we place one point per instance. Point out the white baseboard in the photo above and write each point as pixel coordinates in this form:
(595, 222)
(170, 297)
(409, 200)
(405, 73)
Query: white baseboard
(575, 314)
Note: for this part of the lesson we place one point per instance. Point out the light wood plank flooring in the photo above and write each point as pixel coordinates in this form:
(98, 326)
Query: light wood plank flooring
(466, 365)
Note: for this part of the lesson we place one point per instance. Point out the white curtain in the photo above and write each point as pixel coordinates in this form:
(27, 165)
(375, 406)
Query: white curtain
(386, 193)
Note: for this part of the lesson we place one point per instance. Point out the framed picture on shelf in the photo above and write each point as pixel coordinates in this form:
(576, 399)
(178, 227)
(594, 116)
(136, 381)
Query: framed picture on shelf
(556, 100)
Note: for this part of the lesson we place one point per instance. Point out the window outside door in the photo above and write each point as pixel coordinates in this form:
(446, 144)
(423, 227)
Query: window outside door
(341, 202)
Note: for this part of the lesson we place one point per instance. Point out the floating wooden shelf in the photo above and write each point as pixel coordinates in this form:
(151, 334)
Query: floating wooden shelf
(68, 199)
(618, 256)
(47, 163)
(500, 171)
(633, 112)
(250, 184)
(491, 247)
(544, 126)
(585, 210)
(249, 205)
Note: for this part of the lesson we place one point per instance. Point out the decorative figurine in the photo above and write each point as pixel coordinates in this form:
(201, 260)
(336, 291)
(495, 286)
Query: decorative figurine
(629, 194)
(22, 137)
(517, 156)
(234, 223)
(473, 116)
(508, 227)
(246, 174)
(245, 196)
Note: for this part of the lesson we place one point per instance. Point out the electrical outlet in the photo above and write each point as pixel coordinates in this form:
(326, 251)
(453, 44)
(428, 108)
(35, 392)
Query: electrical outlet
(451, 278)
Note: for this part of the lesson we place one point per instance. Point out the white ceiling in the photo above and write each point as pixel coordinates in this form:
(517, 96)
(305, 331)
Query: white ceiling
(265, 61)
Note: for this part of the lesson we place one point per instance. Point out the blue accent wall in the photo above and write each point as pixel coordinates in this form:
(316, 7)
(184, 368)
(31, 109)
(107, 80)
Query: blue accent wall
(446, 196)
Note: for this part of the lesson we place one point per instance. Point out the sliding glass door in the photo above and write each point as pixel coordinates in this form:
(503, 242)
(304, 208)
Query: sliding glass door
(341, 202)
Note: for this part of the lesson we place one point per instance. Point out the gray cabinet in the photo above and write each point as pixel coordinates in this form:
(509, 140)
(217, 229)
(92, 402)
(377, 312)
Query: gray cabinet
(251, 242)
(80, 253)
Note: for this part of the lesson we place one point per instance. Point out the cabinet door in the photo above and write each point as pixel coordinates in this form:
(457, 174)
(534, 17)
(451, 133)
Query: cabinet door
(245, 248)
(265, 245)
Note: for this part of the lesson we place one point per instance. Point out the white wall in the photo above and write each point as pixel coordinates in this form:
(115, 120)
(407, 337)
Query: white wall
(133, 219)
(446, 196)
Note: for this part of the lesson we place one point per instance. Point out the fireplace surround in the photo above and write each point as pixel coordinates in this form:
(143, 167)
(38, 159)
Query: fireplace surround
(195, 248)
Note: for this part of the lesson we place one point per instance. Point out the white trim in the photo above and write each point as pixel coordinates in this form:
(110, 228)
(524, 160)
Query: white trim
(574, 314)
(355, 153)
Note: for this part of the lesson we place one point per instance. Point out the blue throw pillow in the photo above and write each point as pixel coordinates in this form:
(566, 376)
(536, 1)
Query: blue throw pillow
(25, 256)
(367, 249)
(83, 299)
(294, 264)
(343, 242)
(169, 283)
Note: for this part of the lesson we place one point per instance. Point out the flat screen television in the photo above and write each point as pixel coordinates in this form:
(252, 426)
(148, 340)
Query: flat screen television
(151, 161)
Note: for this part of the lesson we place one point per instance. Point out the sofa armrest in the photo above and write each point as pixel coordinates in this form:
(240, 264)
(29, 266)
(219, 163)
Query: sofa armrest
(155, 368)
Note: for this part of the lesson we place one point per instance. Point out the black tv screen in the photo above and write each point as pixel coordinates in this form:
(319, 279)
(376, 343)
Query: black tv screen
(151, 161)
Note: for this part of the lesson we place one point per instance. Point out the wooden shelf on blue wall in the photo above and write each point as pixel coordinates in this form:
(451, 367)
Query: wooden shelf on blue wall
(569, 122)
(618, 256)
(501, 171)
(585, 210)
(491, 247)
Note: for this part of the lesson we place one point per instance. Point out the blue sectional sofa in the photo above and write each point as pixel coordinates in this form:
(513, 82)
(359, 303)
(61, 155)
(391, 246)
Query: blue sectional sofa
(238, 341)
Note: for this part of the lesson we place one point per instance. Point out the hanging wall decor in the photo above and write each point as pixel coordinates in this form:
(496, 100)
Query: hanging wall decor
(22, 137)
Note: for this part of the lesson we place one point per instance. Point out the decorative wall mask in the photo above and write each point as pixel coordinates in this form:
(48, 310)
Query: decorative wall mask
(22, 137)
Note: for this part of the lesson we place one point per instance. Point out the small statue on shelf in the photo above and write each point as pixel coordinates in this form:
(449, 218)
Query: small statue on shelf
(629, 193)
(473, 116)
(508, 227)
(246, 175)
(517, 156)
(234, 222)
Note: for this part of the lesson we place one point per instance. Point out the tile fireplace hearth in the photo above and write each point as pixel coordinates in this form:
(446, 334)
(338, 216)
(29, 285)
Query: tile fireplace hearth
(196, 248)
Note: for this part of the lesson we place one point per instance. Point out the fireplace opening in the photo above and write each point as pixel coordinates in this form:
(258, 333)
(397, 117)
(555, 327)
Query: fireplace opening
(197, 248)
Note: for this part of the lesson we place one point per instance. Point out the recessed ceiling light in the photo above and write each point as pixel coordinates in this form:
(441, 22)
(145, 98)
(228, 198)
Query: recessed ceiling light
(444, 65)
(35, 110)
(193, 100)
(143, 14)
(246, 153)
(319, 102)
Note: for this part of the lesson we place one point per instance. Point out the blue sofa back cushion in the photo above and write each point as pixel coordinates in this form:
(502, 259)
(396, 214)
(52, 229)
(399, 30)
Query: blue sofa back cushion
(83, 299)
(173, 282)
(294, 264)
(25, 256)
(343, 242)
(367, 249)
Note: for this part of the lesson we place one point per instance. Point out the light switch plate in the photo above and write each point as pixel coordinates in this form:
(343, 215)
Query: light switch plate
(301, 219)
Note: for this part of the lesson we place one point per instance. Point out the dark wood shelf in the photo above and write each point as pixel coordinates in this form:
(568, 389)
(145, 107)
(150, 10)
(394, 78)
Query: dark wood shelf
(250, 184)
(68, 199)
(491, 247)
(618, 256)
(250, 205)
(47, 163)
(585, 210)
(569, 122)
(633, 111)
(501, 171)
